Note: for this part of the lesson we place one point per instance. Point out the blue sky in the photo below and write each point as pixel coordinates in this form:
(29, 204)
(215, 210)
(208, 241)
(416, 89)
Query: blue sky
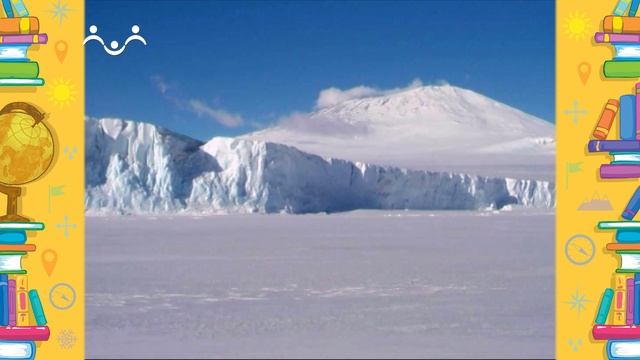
(226, 68)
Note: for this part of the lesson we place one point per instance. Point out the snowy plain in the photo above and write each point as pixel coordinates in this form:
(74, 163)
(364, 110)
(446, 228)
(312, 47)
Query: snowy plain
(357, 284)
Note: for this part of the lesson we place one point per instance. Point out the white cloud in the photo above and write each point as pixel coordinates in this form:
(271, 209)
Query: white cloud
(160, 84)
(219, 115)
(332, 96)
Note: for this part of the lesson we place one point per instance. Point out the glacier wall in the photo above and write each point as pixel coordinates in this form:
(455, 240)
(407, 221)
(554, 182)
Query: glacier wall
(140, 168)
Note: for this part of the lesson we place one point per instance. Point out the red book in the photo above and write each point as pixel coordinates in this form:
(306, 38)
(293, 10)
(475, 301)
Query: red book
(619, 332)
(24, 333)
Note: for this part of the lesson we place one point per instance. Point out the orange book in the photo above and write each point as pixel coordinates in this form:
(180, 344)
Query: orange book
(620, 299)
(621, 24)
(24, 25)
(606, 119)
(10, 247)
(622, 247)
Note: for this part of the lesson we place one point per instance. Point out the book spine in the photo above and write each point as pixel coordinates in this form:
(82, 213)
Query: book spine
(633, 9)
(25, 333)
(630, 301)
(24, 39)
(628, 117)
(600, 37)
(621, 7)
(620, 24)
(36, 307)
(620, 300)
(636, 303)
(613, 146)
(621, 69)
(619, 171)
(22, 301)
(4, 299)
(637, 122)
(6, 4)
(633, 206)
(21, 10)
(605, 305)
(26, 25)
(12, 302)
(607, 117)
(20, 70)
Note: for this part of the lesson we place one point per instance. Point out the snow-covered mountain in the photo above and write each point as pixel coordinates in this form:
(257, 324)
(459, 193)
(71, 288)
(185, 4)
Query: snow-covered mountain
(140, 168)
(425, 128)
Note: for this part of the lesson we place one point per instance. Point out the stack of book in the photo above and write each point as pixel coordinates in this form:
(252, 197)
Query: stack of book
(623, 32)
(17, 34)
(22, 318)
(625, 150)
(618, 316)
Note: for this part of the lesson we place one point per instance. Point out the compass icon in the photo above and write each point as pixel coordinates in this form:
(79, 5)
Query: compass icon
(580, 249)
(62, 296)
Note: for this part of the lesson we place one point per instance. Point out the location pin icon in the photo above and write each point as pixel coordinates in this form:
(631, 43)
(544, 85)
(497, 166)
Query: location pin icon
(49, 260)
(584, 70)
(61, 50)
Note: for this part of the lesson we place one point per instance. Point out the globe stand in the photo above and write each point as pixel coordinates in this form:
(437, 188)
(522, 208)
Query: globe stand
(12, 193)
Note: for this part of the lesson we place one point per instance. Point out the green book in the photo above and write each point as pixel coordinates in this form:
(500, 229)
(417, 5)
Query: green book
(19, 69)
(621, 69)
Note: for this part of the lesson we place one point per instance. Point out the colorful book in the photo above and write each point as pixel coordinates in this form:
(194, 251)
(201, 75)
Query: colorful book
(621, 7)
(621, 24)
(13, 237)
(25, 39)
(22, 11)
(616, 38)
(24, 333)
(619, 225)
(623, 247)
(605, 305)
(619, 171)
(13, 26)
(625, 158)
(36, 307)
(12, 302)
(637, 111)
(22, 70)
(607, 116)
(612, 332)
(627, 117)
(17, 248)
(8, 226)
(614, 146)
(13, 52)
(636, 296)
(8, 10)
(626, 51)
(22, 300)
(11, 263)
(620, 299)
(18, 350)
(4, 300)
(630, 261)
(22, 82)
(630, 301)
(633, 9)
(633, 206)
(623, 349)
(621, 69)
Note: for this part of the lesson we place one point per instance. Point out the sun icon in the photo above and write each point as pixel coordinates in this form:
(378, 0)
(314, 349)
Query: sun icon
(62, 92)
(577, 25)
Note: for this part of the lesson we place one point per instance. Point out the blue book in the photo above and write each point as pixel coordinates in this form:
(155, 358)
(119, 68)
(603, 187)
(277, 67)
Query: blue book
(628, 117)
(4, 299)
(13, 237)
(605, 305)
(18, 5)
(7, 8)
(621, 7)
(636, 304)
(628, 236)
(23, 350)
(634, 7)
(632, 207)
(36, 306)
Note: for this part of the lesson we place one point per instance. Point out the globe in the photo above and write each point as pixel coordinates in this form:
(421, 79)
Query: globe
(26, 148)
